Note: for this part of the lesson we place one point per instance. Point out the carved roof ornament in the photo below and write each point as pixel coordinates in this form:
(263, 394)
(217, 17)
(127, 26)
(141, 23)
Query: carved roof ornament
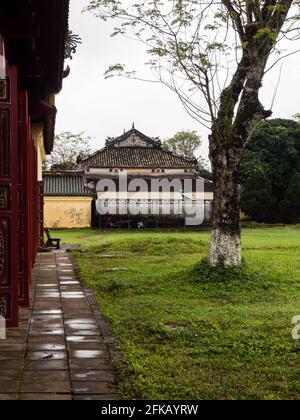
(133, 138)
(72, 42)
(66, 72)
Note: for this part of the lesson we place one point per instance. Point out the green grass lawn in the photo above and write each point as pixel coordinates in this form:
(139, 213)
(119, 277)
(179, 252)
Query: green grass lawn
(188, 333)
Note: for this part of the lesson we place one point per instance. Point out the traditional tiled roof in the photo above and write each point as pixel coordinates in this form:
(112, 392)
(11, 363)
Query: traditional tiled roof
(65, 185)
(135, 150)
(129, 157)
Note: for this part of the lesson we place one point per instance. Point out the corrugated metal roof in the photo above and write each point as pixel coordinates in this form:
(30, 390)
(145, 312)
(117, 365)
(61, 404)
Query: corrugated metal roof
(65, 186)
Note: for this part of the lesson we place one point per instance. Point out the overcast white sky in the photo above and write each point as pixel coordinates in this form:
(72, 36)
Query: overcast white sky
(104, 108)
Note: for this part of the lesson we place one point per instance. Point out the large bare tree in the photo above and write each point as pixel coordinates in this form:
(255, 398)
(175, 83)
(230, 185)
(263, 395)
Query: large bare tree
(214, 55)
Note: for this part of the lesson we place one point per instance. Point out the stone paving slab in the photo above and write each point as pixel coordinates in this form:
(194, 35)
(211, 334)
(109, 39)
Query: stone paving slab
(60, 350)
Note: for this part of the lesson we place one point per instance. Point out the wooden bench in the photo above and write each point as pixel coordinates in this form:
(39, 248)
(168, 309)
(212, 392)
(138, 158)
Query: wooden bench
(52, 242)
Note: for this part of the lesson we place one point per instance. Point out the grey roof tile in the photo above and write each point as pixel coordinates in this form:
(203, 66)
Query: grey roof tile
(65, 186)
(136, 157)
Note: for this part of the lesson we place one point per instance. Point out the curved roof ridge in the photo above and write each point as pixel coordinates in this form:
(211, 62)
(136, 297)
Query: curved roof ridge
(110, 142)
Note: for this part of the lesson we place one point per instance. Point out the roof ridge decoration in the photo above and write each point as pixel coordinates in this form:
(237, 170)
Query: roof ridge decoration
(133, 138)
(71, 43)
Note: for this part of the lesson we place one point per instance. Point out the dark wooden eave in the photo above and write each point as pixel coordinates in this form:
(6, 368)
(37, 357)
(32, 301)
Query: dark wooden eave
(35, 32)
(44, 113)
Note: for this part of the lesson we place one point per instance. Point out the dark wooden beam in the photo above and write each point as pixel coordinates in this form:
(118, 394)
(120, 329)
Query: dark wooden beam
(20, 31)
(20, 19)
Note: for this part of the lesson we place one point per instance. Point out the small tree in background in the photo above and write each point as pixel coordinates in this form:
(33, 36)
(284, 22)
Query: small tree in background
(67, 149)
(184, 143)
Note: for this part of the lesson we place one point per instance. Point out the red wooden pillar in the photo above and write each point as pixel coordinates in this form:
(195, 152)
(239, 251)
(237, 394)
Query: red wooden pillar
(33, 202)
(9, 246)
(24, 231)
(41, 214)
(30, 201)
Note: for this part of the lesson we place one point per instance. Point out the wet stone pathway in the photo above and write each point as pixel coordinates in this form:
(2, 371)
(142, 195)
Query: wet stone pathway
(59, 351)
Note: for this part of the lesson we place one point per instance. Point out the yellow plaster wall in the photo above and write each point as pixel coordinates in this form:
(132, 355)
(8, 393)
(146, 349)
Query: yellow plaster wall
(37, 135)
(67, 212)
(244, 217)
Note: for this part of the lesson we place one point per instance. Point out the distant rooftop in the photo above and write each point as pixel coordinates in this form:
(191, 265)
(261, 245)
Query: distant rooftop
(65, 184)
(135, 150)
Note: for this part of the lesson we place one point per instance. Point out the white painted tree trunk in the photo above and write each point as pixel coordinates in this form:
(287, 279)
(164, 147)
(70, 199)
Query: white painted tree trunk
(225, 248)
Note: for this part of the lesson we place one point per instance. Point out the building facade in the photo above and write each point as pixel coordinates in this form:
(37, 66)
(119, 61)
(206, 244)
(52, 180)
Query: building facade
(162, 182)
(33, 35)
(72, 197)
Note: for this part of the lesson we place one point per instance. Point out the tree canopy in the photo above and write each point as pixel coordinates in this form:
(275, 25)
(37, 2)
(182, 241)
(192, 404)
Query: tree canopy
(270, 172)
(184, 143)
(67, 149)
